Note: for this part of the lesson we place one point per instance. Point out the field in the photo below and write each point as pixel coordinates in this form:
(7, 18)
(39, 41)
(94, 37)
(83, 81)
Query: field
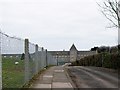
(12, 75)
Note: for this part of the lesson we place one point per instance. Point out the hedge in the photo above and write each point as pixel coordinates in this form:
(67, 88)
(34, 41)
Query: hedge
(106, 60)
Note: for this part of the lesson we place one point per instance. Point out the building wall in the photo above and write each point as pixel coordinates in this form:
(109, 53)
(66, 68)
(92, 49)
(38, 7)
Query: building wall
(61, 56)
(70, 56)
(73, 55)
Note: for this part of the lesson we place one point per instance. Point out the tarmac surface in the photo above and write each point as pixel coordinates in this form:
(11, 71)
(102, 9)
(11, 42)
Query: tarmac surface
(94, 77)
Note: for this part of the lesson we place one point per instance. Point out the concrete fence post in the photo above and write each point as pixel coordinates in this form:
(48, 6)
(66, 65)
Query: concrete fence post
(36, 59)
(119, 37)
(0, 61)
(46, 58)
(119, 27)
(27, 71)
(0, 72)
(42, 58)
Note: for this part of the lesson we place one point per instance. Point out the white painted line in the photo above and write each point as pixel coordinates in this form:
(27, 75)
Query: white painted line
(61, 85)
(47, 76)
(59, 70)
(43, 86)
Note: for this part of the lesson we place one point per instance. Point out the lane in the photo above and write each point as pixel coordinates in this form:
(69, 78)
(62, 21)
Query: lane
(99, 80)
(91, 77)
(108, 76)
(111, 74)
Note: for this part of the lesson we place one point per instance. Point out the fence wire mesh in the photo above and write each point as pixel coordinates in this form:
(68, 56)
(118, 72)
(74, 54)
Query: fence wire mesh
(51, 60)
(12, 49)
(31, 60)
(20, 61)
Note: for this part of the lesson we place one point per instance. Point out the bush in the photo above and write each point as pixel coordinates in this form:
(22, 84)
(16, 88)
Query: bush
(106, 60)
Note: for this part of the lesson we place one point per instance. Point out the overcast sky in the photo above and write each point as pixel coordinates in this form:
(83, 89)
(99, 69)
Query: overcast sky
(57, 24)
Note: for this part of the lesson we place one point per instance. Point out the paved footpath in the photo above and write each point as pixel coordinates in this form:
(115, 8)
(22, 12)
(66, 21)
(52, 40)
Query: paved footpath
(53, 78)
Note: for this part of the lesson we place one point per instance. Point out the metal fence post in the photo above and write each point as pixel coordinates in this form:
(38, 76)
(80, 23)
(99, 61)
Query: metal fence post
(27, 60)
(36, 58)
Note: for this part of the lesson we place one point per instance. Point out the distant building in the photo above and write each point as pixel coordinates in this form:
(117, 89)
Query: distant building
(70, 56)
(61, 57)
(73, 53)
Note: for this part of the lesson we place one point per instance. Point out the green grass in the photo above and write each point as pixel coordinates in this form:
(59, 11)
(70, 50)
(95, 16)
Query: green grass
(12, 75)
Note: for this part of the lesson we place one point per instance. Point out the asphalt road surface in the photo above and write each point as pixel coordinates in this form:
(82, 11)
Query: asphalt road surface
(94, 77)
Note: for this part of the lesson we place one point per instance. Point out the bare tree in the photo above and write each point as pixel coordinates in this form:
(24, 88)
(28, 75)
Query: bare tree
(111, 10)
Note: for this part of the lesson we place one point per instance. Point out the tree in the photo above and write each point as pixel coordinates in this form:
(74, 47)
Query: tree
(114, 49)
(94, 49)
(111, 10)
(103, 49)
(22, 56)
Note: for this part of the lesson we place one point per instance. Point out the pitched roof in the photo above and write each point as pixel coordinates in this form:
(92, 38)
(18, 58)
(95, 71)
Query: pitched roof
(73, 47)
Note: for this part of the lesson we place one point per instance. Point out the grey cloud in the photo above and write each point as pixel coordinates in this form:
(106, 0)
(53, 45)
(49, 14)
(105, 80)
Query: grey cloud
(50, 22)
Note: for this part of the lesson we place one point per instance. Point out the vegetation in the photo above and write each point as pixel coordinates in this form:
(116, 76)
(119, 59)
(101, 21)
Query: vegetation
(110, 9)
(106, 60)
(23, 56)
(108, 49)
(12, 75)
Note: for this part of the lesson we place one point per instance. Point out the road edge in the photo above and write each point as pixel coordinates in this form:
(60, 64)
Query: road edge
(66, 72)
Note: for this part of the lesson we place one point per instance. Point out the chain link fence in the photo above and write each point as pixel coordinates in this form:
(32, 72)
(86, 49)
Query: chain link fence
(51, 60)
(20, 60)
(12, 65)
